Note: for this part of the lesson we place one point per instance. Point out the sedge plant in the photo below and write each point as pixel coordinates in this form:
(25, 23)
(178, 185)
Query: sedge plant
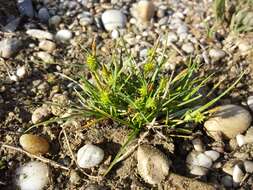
(136, 94)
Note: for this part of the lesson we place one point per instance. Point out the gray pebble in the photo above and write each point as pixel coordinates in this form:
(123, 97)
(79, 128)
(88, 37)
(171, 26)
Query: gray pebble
(217, 54)
(63, 35)
(9, 47)
(25, 7)
(43, 15)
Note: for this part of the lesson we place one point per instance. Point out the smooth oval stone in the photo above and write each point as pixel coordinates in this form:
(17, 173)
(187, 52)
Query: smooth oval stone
(214, 155)
(237, 174)
(248, 166)
(217, 54)
(43, 15)
(34, 144)
(198, 170)
(47, 46)
(9, 47)
(26, 7)
(40, 34)
(45, 57)
(113, 19)
(89, 156)
(229, 120)
(40, 114)
(153, 165)
(63, 35)
(33, 176)
(188, 48)
(54, 20)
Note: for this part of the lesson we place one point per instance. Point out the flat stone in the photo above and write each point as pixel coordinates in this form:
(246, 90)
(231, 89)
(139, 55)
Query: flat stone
(40, 34)
(25, 7)
(47, 45)
(229, 120)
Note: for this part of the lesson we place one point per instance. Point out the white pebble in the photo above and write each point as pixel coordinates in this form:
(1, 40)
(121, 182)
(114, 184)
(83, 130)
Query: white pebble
(248, 166)
(240, 140)
(21, 72)
(198, 170)
(115, 34)
(204, 160)
(214, 155)
(188, 48)
(32, 176)
(89, 156)
(63, 35)
(217, 54)
(40, 34)
(113, 19)
(237, 174)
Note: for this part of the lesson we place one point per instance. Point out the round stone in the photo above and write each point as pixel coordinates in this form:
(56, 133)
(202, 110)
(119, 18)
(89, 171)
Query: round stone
(89, 156)
(32, 176)
(217, 54)
(47, 46)
(153, 165)
(40, 114)
(229, 120)
(43, 15)
(113, 19)
(63, 35)
(34, 144)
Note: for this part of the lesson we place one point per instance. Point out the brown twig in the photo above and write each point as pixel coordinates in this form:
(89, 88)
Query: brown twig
(45, 160)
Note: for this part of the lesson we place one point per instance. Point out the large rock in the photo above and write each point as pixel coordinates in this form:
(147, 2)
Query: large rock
(228, 120)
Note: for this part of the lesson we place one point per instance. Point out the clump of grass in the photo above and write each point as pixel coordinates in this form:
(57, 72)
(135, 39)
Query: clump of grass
(137, 94)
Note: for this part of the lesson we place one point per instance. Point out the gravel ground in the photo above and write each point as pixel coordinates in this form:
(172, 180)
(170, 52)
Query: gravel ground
(41, 38)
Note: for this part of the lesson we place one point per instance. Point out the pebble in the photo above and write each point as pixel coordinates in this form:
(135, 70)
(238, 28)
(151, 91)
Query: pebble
(60, 102)
(32, 176)
(143, 10)
(172, 37)
(89, 156)
(115, 34)
(250, 102)
(43, 15)
(74, 177)
(47, 46)
(237, 174)
(34, 144)
(248, 166)
(54, 21)
(40, 34)
(45, 57)
(25, 7)
(216, 54)
(198, 170)
(21, 71)
(229, 120)
(188, 48)
(13, 25)
(227, 181)
(113, 19)
(63, 35)
(198, 145)
(214, 155)
(40, 114)
(204, 160)
(9, 47)
(153, 165)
